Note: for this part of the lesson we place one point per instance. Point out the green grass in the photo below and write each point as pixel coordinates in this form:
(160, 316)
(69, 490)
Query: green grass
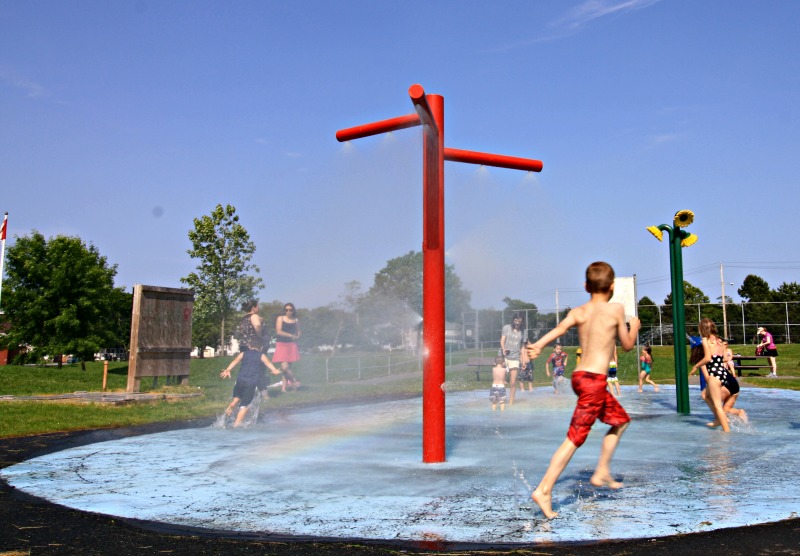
(19, 418)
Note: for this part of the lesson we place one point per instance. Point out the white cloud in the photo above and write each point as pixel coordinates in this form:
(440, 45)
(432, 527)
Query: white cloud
(591, 10)
(662, 138)
(578, 17)
(34, 90)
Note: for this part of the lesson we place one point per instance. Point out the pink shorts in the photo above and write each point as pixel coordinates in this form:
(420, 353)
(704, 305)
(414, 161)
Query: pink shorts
(594, 402)
(285, 352)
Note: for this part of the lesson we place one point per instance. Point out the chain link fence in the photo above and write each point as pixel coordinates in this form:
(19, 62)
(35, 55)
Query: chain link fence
(736, 321)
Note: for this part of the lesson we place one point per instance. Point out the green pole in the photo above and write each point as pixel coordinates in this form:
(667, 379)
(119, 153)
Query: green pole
(681, 363)
(679, 326)
(681, 378)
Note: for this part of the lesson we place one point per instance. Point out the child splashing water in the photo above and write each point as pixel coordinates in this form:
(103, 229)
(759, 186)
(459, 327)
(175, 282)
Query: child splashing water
(251, 376)
(715, 372)
(599, 323)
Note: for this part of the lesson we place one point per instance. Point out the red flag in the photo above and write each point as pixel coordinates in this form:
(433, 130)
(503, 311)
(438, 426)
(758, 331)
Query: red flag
(3, 231)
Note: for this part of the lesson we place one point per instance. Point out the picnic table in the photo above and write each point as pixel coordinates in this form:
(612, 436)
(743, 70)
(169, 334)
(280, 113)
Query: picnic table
(750, 362)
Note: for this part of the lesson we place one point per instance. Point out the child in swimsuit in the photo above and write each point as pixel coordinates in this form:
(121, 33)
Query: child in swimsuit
(559, 360)
(612, 380)
(599, 324)
(715, 371)
(497, 393)
(647, 366)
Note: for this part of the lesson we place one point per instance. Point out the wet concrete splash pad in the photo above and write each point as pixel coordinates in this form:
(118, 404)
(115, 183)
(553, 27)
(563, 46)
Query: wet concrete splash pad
(356, 472)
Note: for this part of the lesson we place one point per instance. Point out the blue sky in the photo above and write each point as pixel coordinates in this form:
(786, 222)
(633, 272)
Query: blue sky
(122, 121)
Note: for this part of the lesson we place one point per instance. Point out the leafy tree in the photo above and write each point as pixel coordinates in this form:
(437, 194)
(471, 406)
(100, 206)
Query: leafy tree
(757, 293)
(691, 295)
(205, 327)
(787, 292)
(519, 305)
(60, 298)
(400, 281)
(648, 312)
(755, 288)
(222, 280)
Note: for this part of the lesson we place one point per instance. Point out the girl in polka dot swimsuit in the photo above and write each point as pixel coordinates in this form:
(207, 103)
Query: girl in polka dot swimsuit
(715, 371)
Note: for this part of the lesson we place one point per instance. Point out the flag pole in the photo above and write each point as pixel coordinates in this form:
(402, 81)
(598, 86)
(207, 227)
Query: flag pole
(3, 253)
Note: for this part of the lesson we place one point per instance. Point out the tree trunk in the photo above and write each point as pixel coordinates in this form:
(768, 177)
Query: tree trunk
(336, 338)
(222, 337)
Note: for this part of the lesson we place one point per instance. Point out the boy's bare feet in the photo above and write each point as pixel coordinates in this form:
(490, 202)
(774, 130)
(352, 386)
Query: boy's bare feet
(655, 388)
(714, 424)
(743, 415)
(545, 503)
(605, 481)
(640, 389)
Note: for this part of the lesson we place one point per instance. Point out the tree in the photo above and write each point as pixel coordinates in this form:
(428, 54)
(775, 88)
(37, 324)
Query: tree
(519, 305)
(60, 299)
(755, 288)
(693, 299)
(222, 280)
(401, 281)
(648, 312)
(692, 295)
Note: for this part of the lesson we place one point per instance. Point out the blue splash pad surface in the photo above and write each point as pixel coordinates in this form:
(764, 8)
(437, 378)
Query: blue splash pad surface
(356, 472)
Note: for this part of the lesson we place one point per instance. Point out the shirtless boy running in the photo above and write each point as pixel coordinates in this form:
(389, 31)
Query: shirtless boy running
(599, 324)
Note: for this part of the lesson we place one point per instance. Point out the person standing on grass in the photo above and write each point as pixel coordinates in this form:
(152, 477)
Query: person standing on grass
(599, 324)
(769, 348)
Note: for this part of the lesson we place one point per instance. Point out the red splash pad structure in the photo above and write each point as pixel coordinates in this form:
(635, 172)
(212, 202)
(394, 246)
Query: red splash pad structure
(430, 114)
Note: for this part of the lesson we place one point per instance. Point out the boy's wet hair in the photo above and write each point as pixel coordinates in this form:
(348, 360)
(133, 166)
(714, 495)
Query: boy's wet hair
(499, 360)
(599, 277)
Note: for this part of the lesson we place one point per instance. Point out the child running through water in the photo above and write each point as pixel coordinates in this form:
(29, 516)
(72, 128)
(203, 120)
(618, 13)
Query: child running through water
(599, 324)
(647, 367)
(251, 376)
(559, 360)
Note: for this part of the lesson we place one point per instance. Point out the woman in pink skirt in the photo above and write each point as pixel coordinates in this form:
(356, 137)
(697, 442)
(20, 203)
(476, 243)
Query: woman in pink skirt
(287, 331)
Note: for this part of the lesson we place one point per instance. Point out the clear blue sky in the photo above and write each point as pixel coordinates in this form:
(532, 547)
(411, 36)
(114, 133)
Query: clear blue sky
(122, 121)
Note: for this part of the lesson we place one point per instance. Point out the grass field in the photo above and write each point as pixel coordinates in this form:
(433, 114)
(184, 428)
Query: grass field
(324, 379)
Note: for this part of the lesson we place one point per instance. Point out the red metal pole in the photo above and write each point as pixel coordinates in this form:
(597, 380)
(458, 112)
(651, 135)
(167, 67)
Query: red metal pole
(499, 160)
(420, 100)
(430, 114)
(375, 128)
(433, 298)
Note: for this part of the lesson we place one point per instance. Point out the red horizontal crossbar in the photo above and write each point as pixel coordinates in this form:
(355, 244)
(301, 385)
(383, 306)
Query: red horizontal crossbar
(487, 159)
(384, 126)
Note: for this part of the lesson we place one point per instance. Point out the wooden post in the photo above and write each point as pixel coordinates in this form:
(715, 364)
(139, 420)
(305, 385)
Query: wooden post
(105, 374)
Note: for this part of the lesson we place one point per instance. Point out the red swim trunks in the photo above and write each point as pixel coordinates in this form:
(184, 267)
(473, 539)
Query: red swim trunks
(594, 402)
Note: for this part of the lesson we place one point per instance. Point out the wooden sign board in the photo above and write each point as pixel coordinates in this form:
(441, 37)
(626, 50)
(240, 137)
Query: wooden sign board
(161, 334)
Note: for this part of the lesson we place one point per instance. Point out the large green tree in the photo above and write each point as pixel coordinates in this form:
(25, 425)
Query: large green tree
(223, 278)
(755, 288)
(401, 280)
(59, 297)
